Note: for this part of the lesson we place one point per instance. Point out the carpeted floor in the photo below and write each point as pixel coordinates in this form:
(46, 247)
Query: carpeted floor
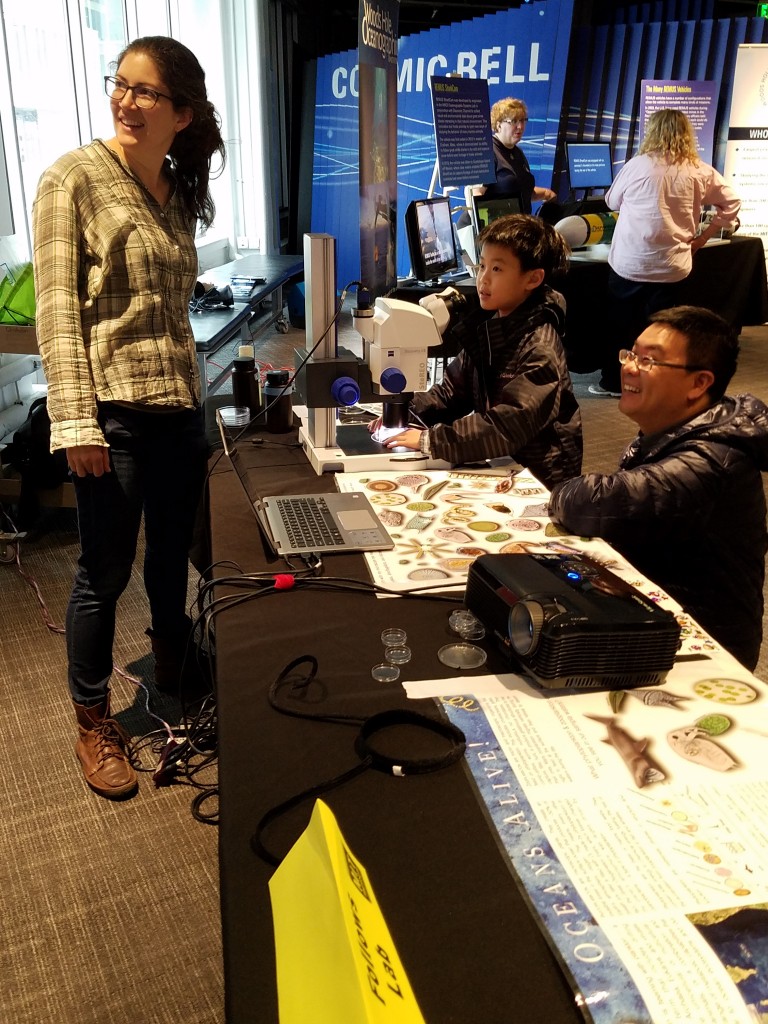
(110, 910)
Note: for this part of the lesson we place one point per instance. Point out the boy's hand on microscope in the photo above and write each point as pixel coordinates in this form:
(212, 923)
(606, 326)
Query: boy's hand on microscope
(407, 439)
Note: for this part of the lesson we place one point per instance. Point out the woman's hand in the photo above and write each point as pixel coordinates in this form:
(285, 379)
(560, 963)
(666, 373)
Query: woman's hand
(545, 194)
(85, 459)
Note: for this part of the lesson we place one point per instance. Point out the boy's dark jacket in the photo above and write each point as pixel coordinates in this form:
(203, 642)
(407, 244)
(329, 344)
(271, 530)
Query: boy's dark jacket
(508, 392)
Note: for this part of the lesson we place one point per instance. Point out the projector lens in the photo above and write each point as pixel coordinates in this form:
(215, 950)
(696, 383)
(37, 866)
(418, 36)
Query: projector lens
(525, 621)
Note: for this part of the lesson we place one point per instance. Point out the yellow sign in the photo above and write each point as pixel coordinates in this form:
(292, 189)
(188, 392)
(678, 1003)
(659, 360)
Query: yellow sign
(336, 960)
(601, 227)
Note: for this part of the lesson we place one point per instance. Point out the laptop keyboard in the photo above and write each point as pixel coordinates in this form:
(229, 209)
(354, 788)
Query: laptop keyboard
(309, 523)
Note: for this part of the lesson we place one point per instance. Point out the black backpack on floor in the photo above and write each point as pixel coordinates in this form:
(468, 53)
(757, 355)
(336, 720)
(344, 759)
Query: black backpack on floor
(30, 454)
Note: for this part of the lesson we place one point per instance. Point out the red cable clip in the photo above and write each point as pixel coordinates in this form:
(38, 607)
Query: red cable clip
(284, 581)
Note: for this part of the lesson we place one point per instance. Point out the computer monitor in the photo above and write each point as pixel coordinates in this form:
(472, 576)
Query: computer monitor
(487, 210)
(589, 164)
(429, 230)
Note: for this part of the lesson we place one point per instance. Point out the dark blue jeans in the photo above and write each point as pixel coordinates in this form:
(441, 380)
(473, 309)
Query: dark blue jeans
(158, 462)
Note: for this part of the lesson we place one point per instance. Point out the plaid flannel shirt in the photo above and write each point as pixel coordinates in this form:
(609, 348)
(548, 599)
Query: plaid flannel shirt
(114, 272)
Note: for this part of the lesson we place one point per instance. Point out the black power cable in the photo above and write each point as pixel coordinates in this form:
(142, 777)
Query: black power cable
(371, 729)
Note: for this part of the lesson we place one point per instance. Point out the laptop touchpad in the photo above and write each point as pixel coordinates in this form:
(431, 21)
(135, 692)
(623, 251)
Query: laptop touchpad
(356, 519)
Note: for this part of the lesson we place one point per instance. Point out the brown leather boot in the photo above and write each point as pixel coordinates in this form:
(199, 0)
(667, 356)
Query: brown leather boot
(102, 749)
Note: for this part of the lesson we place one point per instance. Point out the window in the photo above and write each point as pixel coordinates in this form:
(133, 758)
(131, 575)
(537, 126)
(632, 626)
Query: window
(55, 98)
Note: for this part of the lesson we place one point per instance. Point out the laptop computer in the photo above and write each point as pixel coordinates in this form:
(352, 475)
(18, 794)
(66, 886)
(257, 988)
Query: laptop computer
(297, 524)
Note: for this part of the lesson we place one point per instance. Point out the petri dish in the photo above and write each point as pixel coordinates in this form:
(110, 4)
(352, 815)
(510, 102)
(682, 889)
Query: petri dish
(385, 673)
(462, 655)
(235, 415)
(466, 625)
(393, 637)
(398, 655)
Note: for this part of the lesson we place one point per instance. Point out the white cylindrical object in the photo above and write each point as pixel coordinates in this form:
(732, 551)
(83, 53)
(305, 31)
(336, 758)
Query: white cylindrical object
(18, 368)
(587, 229)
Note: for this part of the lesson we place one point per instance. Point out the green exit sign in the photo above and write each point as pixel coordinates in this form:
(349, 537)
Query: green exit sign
(762, 10)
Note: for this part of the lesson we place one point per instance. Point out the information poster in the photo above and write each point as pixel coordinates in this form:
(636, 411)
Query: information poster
(633, 818)
(521, 51)
(462, 115)
(746, 155)
(377, 54)
(697, 100)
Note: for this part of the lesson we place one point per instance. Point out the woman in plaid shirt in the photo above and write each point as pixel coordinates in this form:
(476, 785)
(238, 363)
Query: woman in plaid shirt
(115, 265)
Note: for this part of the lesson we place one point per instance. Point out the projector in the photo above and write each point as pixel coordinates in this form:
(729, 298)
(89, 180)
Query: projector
(570, 622)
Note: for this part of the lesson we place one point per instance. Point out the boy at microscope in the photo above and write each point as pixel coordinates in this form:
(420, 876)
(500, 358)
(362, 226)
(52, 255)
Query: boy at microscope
(508, 392)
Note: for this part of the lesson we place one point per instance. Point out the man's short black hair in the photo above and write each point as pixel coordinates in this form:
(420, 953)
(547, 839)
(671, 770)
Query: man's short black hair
(712, 343)
(535, 243)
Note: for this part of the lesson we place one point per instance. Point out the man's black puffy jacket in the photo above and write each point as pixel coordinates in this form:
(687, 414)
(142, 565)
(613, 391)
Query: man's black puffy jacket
(687, 508)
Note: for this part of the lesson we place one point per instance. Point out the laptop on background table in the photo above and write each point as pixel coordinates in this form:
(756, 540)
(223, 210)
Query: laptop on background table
(299, 524)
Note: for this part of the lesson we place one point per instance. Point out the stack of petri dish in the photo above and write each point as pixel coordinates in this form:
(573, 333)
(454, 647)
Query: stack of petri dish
(464, 655)
(396, 653)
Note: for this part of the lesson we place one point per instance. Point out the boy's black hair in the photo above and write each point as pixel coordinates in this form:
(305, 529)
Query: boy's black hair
(535, 243)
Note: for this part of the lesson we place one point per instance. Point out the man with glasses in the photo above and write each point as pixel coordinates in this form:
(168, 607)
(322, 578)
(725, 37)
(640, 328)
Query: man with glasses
(686, 506)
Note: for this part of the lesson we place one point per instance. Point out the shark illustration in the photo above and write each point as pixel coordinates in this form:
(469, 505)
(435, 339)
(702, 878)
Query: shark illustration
(631, 751)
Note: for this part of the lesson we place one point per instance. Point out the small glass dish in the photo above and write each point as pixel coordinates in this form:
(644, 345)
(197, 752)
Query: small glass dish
(466, 625)
(462, 656)
(385, 673)
(393, 637)
(398, 655)
(235, 415)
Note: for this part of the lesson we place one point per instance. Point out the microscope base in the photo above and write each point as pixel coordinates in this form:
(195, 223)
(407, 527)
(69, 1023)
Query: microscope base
(355, 453)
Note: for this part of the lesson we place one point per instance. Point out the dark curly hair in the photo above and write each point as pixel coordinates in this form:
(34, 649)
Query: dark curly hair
(535, 243)
(193, 148)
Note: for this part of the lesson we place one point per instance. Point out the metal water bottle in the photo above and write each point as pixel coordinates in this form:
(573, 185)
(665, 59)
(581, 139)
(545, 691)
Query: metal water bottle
(278, 402)
(246, 387)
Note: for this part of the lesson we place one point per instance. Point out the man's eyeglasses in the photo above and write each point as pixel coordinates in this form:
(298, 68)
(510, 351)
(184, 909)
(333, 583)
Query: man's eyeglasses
(143, 96)
(515, 120)
(647, 363)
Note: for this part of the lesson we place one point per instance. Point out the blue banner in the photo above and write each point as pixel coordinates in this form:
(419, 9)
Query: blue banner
(521, 53)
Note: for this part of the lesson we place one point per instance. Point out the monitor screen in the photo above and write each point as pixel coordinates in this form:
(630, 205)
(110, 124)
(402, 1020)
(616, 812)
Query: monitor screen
(589, 164)
(486, 210)
(429, 230)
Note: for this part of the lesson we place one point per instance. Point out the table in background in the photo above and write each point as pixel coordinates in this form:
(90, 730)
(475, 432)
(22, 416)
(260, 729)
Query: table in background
(470, 946)
(729, 278)
(215, 327)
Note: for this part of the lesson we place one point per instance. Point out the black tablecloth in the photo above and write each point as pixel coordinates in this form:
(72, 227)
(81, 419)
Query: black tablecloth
(469, 944)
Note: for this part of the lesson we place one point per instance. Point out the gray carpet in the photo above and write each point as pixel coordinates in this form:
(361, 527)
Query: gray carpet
(110, 910)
